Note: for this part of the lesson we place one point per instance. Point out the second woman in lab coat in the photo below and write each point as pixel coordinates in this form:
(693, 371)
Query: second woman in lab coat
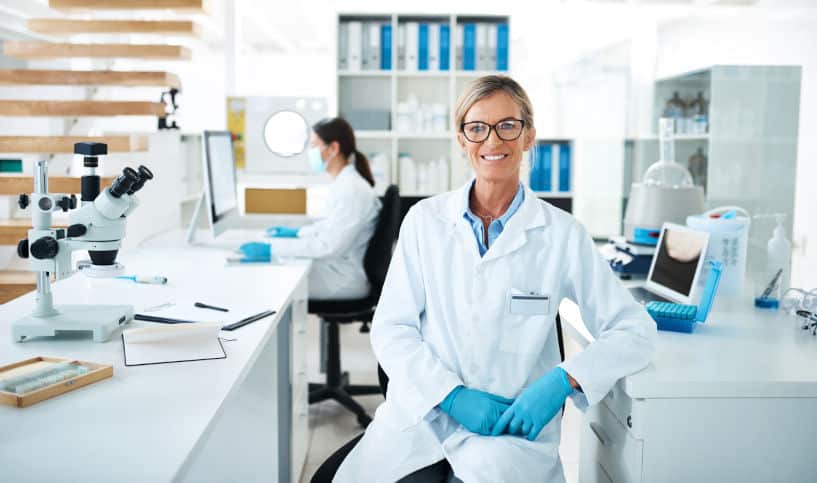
(338, 242)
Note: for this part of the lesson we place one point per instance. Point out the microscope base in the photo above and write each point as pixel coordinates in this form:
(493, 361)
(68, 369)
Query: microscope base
(102, 320)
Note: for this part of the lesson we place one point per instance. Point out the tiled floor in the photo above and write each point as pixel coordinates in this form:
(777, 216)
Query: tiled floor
(331, 426)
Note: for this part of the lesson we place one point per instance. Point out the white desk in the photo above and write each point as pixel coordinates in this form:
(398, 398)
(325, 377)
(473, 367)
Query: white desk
(735, 401)
(243, 418)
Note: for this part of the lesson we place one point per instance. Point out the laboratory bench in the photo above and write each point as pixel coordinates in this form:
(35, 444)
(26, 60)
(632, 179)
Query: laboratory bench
(734, 401)
(243, 418)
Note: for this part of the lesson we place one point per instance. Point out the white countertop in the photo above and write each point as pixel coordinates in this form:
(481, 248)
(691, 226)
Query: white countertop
(143, 423)
(739, 351)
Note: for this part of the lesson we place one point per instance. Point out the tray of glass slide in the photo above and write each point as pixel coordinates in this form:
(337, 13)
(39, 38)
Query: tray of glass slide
(33, 380)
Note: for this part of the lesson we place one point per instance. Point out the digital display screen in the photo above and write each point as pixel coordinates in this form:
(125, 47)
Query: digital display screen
(222, 174)
(677, 259)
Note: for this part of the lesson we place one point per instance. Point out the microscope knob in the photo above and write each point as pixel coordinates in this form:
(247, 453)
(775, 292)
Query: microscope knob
(77, 230)
(45, 247)
(22, 248)
(65, 203)
(23, 201)
(73, 202)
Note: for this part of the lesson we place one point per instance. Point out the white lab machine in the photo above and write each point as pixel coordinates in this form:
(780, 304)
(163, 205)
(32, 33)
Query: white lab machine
(278, 130)
(666, 194)
(98, 226)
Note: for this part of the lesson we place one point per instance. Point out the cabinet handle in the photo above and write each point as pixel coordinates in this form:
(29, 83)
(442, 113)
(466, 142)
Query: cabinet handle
(599, 433)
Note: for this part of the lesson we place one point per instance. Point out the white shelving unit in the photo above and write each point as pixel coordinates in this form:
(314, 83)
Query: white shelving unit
(369, 99)
(750, 143)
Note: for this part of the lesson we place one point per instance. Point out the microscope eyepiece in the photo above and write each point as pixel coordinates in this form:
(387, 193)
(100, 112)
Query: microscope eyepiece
(144, 176)
(123, 183)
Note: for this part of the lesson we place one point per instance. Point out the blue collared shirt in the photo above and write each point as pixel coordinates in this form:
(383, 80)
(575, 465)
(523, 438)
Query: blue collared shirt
(496, 226)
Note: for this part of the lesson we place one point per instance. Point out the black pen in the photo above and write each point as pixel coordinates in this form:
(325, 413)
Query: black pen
(205, 306)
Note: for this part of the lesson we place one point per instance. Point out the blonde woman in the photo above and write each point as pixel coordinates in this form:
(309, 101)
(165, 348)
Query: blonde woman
(465, 327)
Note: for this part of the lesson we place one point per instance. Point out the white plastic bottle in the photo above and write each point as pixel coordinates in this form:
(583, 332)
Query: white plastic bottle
(778, 254)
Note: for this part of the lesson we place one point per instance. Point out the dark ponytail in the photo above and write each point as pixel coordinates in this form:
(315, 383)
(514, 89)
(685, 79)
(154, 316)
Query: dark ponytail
(337, 129)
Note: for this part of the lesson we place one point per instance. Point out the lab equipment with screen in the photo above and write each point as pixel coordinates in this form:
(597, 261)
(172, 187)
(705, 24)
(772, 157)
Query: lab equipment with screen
(681, 317)
(676, 266)
(220, 196)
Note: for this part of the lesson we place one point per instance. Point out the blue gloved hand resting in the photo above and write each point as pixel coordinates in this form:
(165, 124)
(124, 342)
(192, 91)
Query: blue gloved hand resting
(536, 405)
(477, 410)
(282, 232)
(256, 251)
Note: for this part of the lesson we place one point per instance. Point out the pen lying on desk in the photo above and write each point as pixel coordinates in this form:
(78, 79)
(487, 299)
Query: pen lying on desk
(211, 307)
(162, 320)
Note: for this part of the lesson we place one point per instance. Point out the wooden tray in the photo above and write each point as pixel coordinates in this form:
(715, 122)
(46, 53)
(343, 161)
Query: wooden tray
(96, 372)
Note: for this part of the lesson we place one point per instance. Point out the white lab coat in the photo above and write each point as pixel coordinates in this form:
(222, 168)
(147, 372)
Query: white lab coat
(338, 242)
(444, 319)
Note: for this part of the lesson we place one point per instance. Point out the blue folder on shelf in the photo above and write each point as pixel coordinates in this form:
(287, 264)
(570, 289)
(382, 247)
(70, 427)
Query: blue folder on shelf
(422, 46)
(564, 167)
(445, 47)
(469, 47)
(502, 42)
(385, 47)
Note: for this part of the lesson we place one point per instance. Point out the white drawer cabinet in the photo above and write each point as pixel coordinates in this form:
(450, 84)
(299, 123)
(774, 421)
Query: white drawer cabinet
(607, 442)
(700, 439)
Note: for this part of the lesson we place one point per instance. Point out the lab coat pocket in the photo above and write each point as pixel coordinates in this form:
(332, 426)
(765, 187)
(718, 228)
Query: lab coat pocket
(528, 320)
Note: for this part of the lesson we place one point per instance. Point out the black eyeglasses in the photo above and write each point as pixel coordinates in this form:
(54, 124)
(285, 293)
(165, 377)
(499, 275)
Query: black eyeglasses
(506, 130)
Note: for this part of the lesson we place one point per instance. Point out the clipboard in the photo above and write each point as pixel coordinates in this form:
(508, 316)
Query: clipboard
(172, 343)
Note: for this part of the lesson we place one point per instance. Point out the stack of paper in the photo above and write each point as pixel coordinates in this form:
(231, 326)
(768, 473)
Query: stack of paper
(172, 343)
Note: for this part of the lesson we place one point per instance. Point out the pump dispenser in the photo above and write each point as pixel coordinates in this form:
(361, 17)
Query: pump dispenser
(778, 260)
(778, 252)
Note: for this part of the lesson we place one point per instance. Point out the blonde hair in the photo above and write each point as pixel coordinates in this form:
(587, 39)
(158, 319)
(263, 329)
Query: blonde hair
(487, 86)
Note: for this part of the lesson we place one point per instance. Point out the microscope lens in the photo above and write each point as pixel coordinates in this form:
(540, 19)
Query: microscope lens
(123, 184)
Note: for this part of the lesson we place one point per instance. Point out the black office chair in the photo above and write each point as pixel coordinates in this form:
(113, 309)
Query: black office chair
(334, 312)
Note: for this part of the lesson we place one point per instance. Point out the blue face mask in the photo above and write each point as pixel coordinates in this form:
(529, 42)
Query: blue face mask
(315, 161)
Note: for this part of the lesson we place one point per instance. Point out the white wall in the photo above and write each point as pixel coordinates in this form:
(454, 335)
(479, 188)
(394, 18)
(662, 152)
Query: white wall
(770, 38)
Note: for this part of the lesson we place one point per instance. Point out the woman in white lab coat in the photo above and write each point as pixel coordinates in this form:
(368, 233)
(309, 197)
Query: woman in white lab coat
(338, 242)
(465, 326)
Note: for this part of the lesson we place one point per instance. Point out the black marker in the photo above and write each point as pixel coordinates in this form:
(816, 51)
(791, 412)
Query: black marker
(205, 306)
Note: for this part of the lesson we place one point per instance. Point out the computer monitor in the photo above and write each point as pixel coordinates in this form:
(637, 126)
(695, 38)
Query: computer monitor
(220, 196)
(676, 266)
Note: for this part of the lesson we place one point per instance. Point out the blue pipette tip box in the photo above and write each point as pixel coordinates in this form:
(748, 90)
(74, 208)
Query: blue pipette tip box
(767, 303)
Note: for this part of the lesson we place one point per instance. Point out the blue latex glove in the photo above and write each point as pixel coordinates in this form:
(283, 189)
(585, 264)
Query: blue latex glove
(536, 405)
(282, 232)
(477, 410)
(256, 251)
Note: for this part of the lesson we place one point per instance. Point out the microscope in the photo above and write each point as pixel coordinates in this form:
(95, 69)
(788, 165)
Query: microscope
(98, 226)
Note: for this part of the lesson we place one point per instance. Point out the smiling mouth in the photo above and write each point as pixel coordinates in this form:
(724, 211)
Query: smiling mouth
(493, 157)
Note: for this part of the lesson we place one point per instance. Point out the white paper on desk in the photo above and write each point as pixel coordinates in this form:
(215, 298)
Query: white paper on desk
(172, 343)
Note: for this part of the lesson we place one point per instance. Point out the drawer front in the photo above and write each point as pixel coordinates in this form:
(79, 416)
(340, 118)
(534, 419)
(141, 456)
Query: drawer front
(608, 449)
(629, 412)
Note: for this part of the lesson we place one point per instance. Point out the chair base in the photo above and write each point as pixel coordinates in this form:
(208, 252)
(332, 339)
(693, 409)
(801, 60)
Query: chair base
(342, 393)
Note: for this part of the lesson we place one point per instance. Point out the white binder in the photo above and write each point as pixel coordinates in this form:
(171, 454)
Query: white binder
(355, 43)
(433, 47)
(401, 46)
(491, 63)
(374, 45)
(412, 45)
(458, 40)
(482, 47)
(343, 46)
